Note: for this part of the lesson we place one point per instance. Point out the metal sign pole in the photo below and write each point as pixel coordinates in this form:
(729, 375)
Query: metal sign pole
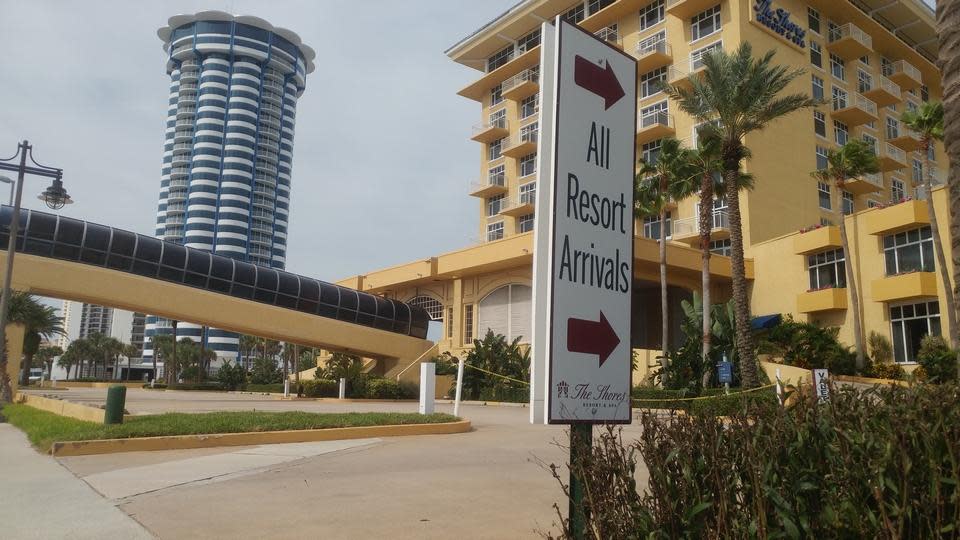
(581, 444)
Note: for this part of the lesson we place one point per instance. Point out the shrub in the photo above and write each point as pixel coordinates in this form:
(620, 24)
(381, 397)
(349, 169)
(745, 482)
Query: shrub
(494, 354)
(382, 389)
(445, 364)
(939, 363)
(202, 386)
(320, 388)
(265, 371)
(876, 463)
(887, 370)
(231, 376)
(265, 388)
(810, 347)
(409, 390)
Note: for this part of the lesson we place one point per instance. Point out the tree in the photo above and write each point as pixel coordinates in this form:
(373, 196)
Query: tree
(738, 95)
(45, 356)
(927, 121)
(163, 348)
(948, 30)
(499, 365)
(851, 160)
(265, 371)
(130, 352)
(248, 345)
(670, 177)
(40, 321)
(70, 357)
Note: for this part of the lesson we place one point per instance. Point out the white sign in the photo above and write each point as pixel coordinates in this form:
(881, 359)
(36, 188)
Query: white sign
(583, 260)
(820, 377)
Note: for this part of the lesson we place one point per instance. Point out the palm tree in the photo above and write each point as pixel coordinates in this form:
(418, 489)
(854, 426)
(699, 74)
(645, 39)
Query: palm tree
(948, 29)
(670, 177)
(46, 355)
(851, 160)
(741, 94)
(70, 357)
(163, 345)
(927, 121)
(40, 321)
(248, 345)
(130, 351)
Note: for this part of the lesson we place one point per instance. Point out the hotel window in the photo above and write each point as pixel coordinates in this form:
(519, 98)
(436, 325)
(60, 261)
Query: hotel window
(652, 82)
(911, 323)
(468, 324)
(655, 42)
(705, 23)
(917, 171)
(651, 151)
(820, 123)
(654, 114)
(494, 205)
(525, 223)
(499, 58)
(720, 247)
(651, 226)
(528, 164)
(893, 128)
(847, 203)
(651, 15)
(494, 231)
(886, 67)
(897, 190)
(496, 95)
(840, 132)
(695, 132)
(574, 15)
(833, 31)
(498, 118)
(449, 322)
(696, 57)
(827, 270)
(822, 162)
(496, 175)
(530, 106)
(924, 93)
(816, 55)
(836, 67)
(872, 203)
(528, 133)
(871, 141)
(823, 192)
(528, 41)
(865, 60)
(493, 149)
(813, 20)
(931, 153)
(528, 193)
(594, 6)
(911, 106)
(909, 251)
(817, 87)
(864, 81)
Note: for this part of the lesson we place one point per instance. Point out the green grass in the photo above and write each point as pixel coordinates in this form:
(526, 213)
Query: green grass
(44, 428)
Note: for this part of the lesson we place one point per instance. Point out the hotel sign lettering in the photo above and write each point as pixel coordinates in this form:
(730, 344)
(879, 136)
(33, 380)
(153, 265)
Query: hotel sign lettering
(778, 21)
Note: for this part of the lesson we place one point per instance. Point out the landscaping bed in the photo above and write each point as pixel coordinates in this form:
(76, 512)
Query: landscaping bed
(44, 428)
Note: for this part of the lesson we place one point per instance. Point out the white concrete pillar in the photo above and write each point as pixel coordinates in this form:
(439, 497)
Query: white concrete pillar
(428, 384)
(343, 388)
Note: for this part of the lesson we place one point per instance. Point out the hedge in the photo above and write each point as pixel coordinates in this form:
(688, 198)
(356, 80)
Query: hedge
(718, 403)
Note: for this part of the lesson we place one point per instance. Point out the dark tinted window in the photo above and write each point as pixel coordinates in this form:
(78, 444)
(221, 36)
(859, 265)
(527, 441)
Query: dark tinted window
(121, 250)
(402, 320)
(348, 305)
(174, 255)
(309, 294)
(244, 273)
(289, 284)
(384, 313)
(95, 244)
(266, 285)
(329, 300)
(221, 268)
(40, 231)
(147, 256)
(198, 265)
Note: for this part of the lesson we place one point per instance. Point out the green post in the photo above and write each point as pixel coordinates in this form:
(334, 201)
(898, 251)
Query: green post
(116, 399)
(581, 443)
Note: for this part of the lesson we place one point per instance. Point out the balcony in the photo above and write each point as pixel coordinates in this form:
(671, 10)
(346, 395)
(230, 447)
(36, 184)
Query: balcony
(904, 74)
(849, 41)
(180, 159)
(257, 251)
(904, 287)
(189, 76)
(185, 123)
(891, 158)
(184, 134)
(653, 54)
(684, 9)
(687, 229)
(177, 183)
(519, 61)
(520, 146)
(817, 240)
(265, 180)
(654, 125)
(178, 208)
(519, 206)
(269, 120)
(261, 238)
(854, 111)
(176, 195)
(680, 78)
(610, 35)
(494, 184)
(896, 218)
(261, 227)
(185, 112)
(174, 220)
(521, 85)
(822, 300)
(884, 92)
(266, 168)
(491, 131)
(867, 183)
(904, 138)
(263, 202)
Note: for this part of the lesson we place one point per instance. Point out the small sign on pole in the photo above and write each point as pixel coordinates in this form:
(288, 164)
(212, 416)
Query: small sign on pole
(820, 382)
(725, 373)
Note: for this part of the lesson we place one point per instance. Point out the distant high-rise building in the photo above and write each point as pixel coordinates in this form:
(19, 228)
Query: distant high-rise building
(225, 181)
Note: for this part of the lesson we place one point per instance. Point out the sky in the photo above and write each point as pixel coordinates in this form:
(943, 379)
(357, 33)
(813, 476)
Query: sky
(382, 157)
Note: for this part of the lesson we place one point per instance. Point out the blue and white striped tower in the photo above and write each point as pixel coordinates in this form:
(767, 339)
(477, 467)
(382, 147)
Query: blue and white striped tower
(228, 151)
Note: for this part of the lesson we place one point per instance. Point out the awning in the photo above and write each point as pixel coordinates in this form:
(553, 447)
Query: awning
(765, 322)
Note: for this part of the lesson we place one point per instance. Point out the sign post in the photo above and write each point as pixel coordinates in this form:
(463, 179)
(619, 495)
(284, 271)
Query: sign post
(820, 377)
(583, 249)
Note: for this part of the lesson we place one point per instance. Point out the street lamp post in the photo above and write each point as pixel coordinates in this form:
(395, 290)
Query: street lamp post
(55, 197)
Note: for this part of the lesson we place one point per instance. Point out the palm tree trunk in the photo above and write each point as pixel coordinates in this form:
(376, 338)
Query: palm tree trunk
(942, 267)
(948, 30)
(706, 207)
(171, 375)
(25, 373)
(664, 308)
(741, 296)
(851, 282)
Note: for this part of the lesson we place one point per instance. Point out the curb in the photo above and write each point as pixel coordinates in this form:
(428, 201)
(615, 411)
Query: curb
(186, 442)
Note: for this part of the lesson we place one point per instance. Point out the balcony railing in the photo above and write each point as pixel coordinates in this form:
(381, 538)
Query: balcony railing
(261, 213)
(176, 208)
(261, 238)
(531, 75)
(497, 180)
(267, 180)
(903, 73)
(273, 87)
(659, 47)
(177, 183)
(259, 251)
(655, 119)
(188, 86)
(499, 123)
(609, 34)
(851, 32)
(264, 191)
(259, 200)
(691, 225)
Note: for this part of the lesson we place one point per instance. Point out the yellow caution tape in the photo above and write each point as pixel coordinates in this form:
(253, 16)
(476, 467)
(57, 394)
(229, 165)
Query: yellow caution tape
(496, 374)
(660, 400)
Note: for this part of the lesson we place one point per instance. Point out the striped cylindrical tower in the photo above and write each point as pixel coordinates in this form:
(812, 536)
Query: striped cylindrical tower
(225, 181)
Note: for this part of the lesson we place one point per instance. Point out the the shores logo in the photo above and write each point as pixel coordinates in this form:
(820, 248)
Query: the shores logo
(590, 396)
(563, 389)
(778, 21)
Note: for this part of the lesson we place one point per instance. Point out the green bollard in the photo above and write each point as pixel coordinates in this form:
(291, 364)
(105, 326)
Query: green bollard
(116, 399)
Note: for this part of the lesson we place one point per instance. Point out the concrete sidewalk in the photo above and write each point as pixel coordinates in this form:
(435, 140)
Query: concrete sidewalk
(39, 498)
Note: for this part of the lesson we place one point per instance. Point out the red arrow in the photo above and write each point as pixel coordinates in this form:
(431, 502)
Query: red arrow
(600, 81)
(591, 337)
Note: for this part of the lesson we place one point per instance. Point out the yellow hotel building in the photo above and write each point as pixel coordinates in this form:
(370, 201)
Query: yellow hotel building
(870, 60)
